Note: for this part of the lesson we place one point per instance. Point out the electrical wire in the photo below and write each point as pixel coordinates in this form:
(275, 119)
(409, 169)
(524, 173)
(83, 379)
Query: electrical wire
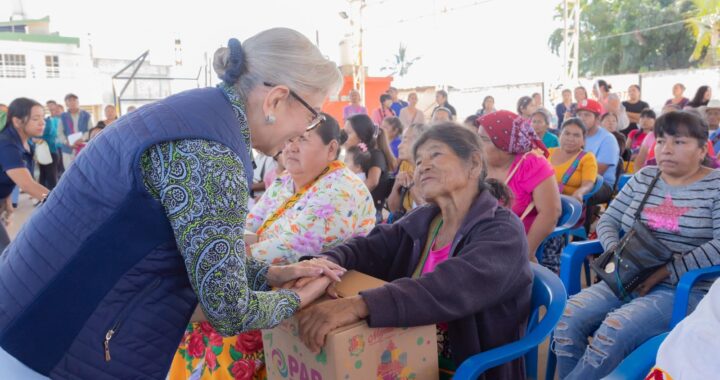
(651, 28)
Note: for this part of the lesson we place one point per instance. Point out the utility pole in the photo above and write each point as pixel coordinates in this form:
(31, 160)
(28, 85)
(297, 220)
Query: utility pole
(356, 22)
(571, 41)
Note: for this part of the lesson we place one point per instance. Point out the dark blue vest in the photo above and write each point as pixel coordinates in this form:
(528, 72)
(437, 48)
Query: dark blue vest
(100, 254)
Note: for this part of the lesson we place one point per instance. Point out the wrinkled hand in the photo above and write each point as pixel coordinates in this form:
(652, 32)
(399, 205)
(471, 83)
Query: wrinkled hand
(404, 179)
(299, 283)
(653, 280)
(318, 320)
(312, 290)
(282, 274)
(579, 196)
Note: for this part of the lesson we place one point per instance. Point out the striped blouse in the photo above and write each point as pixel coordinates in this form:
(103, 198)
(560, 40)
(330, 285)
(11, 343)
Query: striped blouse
(684, 218)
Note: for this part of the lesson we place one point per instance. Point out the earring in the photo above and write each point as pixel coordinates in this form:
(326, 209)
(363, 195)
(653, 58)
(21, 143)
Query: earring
(270, 119)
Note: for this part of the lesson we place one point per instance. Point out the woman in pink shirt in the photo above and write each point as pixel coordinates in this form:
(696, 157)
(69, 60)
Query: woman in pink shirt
(509, 145)
(384, 111)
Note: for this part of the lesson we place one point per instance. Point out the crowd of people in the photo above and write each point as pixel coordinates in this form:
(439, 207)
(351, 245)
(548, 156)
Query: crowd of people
(451, 215)
(52, 148)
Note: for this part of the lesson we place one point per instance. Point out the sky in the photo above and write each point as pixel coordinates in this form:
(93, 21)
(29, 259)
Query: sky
(461, 43)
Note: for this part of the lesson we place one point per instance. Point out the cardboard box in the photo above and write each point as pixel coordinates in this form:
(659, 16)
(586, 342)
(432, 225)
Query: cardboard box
(355, 351)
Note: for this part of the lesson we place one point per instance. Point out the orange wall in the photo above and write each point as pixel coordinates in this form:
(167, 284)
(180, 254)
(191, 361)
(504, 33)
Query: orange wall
(374, 87)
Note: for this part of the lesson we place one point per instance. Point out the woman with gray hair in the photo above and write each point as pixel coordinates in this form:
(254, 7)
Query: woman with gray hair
(616, 108)
(149, 222)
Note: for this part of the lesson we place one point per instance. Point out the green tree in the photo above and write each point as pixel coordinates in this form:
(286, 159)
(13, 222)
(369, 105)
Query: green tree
(630, 36)
(400, 64)
(705, 26)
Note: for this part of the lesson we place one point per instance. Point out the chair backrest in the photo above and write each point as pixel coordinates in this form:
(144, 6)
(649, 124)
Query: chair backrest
(547, 291)
(598, 184)
(619, 170)
(571, 212)
(622, 180)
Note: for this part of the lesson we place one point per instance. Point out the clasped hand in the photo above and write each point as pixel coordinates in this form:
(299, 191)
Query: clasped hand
(316, 321)
(308, 279)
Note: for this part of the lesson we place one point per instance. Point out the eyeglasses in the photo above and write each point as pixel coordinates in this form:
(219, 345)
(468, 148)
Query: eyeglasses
(317, 117)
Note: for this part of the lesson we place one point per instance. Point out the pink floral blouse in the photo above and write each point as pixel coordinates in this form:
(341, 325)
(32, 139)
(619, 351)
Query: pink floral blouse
(338, 207)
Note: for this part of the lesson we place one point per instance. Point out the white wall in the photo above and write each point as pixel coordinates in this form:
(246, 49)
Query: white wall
(76, 73)
(657, 87)
(468, 101)
(90, 79)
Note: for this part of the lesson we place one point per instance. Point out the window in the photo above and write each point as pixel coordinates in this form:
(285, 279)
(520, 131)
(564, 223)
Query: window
(14, 28)
(12, 66)
(52, 66)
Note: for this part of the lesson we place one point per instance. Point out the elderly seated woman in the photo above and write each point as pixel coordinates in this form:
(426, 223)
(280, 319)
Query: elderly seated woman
(316, 205)
(683, 212)
(459, 262)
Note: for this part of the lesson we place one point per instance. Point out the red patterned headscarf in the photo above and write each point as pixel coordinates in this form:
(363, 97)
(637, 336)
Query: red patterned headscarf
(510, 132)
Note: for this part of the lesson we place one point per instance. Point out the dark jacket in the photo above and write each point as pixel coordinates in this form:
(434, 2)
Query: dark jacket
(483, 290)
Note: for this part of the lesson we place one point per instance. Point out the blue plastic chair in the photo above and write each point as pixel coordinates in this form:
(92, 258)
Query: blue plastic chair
(580, 231)
(571, 212)
(571, 262)
(640, 362)
(547, 291)
(572, 259)
(623, 180)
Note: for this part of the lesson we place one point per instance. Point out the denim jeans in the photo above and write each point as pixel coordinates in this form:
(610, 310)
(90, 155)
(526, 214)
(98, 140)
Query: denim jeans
(617, 328)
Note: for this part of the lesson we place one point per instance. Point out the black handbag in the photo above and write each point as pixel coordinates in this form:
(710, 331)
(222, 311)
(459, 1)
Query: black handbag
(395, 216)
(637, 256)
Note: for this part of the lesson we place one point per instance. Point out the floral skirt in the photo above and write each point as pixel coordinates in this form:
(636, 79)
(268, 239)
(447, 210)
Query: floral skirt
(447, 366)
(204, 354)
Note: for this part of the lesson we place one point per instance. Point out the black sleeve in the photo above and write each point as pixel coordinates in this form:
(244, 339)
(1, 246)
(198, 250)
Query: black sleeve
(377, 158)
(635, 108)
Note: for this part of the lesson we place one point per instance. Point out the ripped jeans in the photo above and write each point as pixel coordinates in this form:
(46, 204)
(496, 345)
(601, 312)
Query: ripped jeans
(617, 328)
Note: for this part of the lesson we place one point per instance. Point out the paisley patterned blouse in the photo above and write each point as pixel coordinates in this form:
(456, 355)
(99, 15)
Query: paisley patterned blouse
(202, 186)
(336, 208)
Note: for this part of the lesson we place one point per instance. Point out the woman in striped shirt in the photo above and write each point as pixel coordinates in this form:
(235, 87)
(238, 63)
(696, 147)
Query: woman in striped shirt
(683, 212)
